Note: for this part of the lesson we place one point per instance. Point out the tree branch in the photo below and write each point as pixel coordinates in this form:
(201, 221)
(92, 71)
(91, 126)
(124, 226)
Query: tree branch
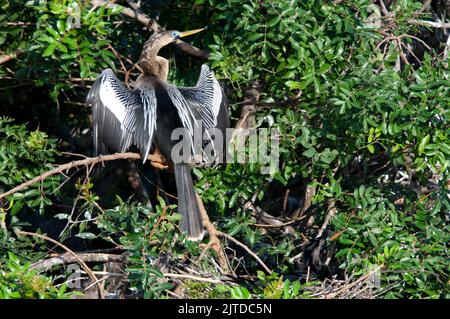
(7, 57)
(196, 278)
(153, 25)
(439, 25)
(141, 17)
(214, 241)
(156, 161)
(68, 258)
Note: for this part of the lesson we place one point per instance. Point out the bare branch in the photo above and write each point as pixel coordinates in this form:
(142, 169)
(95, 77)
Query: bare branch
(439, 25)
(156, 161)
(7, 57)
(68, 258)
(196, 278)
(331, 211)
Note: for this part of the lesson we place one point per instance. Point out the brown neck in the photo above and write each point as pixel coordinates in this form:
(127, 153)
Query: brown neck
(151, 63)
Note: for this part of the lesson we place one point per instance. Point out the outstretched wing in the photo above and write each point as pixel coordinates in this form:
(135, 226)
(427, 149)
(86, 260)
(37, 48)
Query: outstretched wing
(121, 116)
(206, 103)
(206, 97)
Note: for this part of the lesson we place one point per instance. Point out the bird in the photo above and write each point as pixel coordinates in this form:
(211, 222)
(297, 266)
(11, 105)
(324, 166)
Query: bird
(146, 116)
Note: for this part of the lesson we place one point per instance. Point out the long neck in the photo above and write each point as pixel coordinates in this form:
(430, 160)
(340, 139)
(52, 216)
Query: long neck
(151, 63)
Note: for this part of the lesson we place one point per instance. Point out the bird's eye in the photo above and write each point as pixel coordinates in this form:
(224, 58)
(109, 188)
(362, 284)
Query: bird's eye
(175, 34)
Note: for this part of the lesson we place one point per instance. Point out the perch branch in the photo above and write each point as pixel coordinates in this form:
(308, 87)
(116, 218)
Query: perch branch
(156, 161)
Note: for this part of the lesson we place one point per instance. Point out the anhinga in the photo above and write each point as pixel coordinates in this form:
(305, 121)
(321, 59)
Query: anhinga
(150, 112)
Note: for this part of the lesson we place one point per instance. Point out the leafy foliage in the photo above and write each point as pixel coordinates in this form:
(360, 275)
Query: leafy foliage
(363, 117)
(19, 282)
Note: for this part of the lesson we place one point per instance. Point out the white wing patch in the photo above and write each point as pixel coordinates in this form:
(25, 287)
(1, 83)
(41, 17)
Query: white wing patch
(111, 98)
(122, 116)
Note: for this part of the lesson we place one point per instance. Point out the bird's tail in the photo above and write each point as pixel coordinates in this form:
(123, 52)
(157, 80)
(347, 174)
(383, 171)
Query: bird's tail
(188, 207)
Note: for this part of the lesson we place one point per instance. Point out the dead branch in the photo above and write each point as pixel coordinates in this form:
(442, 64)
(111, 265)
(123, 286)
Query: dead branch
(352, 284)
(156, 161)
(310, 192)
(196, 278)
(331, 211)
(81, 262)
(424, 23)
(68, 258)
(278, 224)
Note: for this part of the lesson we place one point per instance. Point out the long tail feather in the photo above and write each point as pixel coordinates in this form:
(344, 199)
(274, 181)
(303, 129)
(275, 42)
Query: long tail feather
(188, 207)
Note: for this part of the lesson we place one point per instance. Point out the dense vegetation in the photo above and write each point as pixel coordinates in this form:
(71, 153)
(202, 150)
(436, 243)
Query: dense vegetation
(360, 204)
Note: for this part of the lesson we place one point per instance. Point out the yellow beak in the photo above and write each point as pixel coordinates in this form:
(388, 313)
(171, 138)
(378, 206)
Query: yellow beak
(186, 33)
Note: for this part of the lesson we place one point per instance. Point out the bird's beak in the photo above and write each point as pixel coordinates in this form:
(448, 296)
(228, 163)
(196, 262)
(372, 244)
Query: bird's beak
(186, 33)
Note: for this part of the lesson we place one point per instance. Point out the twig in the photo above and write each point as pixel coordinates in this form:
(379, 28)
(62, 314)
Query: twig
(310, 192)
(412, 53)
(397, 38)
(280, 225)
(402, 54)
(251, 253)
(383, 8)
(156, 161)
(81, 262)
(124, 69)
(351, 285)
(96, 283)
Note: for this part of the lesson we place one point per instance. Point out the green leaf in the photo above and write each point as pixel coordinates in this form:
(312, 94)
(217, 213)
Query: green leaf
(423, 143)
(49, 51)
(86, 235)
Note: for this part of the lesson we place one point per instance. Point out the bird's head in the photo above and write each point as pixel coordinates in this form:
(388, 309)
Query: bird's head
(153, 64)
(164, 38)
